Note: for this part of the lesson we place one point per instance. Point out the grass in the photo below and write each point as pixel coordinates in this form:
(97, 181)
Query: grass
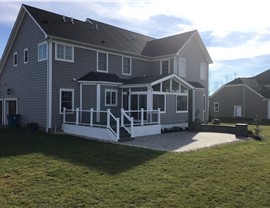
(42, 170)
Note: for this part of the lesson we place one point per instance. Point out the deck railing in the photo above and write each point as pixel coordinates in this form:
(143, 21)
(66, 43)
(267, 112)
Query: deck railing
(91, 118)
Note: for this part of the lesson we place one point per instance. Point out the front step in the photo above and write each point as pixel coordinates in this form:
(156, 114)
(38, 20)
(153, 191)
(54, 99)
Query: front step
(124, 135)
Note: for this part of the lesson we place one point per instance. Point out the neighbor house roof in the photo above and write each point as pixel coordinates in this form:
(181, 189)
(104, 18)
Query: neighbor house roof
(259, 83)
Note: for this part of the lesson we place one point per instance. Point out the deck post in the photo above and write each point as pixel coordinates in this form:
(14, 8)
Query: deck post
(117, 127)
(64, 115)
(142, 117)
(158, 115)
(77, 116)
(122, 117)
(91, 116)
(108, 117)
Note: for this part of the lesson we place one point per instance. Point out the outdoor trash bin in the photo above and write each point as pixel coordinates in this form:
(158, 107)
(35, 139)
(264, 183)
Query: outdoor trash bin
(13, 120)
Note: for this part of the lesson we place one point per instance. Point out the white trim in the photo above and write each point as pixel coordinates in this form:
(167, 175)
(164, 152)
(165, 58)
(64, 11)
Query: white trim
(60, 99)
(116, 97)
(64, 45)
(216, 109)
(15, 54)
(130, 67)
(172, 76)
(204, 101)
(160, 65)
(107, 61)
(181, 111)
(49, 87)
(41, 44)
(25, 50)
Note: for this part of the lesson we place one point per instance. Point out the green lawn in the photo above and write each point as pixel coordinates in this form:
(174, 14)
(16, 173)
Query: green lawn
(42, 170)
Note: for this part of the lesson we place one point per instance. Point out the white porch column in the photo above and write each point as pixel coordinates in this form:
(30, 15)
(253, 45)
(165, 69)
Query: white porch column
(149, 98)
(98, 102)
(81, 108)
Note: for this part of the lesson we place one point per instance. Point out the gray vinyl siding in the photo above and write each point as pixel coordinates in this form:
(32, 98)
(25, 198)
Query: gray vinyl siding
(252, 104)
(141, 67)
(199, 105)
(28, 82)
(171, 117)
(89, 97)
(227, 97)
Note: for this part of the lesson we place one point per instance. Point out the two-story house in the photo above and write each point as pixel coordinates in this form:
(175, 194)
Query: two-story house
(56, 69)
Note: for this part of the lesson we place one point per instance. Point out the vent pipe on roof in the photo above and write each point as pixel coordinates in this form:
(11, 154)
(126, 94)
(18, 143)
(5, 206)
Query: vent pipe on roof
(89, 21)
(133, 37)
(72, 21)
(96, 27)
(64, 18)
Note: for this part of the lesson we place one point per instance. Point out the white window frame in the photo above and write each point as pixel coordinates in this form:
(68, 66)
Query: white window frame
(160, 65)
(60, 99)
(107, 61)
(130, 67)
(24, 51)
(216, 109)
(181, 111)
(15, 57)
(64, 55)
(165, 97)
(116, 97)
(182, 69)
(39, 45)
(203, 71)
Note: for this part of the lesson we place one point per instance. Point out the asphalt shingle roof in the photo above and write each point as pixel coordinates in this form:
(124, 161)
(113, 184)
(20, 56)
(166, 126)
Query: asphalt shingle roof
(259, 83)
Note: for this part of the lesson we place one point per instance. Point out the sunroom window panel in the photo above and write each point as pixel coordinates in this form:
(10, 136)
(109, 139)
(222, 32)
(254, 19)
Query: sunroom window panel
(166, 86)
(182, 103)
(159, 102)
(156, 87)
(175, 86)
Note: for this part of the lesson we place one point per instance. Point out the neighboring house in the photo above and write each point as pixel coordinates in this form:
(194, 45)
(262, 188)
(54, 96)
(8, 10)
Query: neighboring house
(243, 97)
(52, 62)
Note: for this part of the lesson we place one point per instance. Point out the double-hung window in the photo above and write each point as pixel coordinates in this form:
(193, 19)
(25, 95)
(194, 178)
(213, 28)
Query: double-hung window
(102, 62)
(182, 103)
(66, 100)
(164, 67)
(42, 51)
(216, 106)
(159, 102)
(126, 68)
(110, 97)
(64, 52)
(15, 59)
(203, 72)
(25, 56)
(182, 67)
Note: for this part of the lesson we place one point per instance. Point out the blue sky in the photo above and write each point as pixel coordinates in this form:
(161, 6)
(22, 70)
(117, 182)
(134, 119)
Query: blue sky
(236, 33)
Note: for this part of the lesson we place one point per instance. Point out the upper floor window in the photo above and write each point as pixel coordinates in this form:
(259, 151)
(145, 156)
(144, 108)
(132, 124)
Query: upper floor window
(216, 106)
(182, 67)
(15, 59)
(66, 100)
(25, 56)
(64, 52)
(110, 97)
(203, 72)
(42, 51)
(164, 67)
(126, 68)
(102, 62)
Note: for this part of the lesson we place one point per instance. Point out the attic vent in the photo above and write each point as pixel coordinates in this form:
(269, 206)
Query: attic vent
(64, 18)
(103, 41)
(134, 37)
(89, 21)
(96, 27)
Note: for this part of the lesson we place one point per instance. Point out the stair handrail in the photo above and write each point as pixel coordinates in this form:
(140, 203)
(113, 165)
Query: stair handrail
(130, 119)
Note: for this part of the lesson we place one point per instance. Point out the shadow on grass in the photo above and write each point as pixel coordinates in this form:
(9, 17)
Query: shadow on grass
(105, 157)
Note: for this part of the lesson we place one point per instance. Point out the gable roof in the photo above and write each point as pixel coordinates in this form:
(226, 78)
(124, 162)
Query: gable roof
(97, 34)
(259, 84)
